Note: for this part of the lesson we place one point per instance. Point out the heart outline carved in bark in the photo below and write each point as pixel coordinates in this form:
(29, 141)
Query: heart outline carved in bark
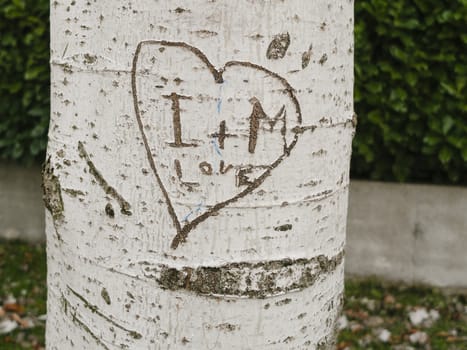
(183, 231)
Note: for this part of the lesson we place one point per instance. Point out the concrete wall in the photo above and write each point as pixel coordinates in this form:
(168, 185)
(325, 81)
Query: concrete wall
(412, 233)
(21, 209)
(399, 232)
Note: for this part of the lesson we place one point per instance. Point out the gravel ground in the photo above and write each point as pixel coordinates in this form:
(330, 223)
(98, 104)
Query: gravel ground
(376, 316)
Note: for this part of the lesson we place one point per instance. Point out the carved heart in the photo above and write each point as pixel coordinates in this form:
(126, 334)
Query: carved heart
(252, 127)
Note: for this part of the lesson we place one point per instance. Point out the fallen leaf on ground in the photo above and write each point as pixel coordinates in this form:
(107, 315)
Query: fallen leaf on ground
(7, 326)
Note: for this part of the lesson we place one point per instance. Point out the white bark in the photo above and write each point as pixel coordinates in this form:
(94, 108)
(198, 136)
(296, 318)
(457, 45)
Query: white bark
(197, 173)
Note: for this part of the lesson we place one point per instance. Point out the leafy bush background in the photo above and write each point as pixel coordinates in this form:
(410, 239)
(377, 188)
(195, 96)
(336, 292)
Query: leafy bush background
(410, 92)
(24, 78)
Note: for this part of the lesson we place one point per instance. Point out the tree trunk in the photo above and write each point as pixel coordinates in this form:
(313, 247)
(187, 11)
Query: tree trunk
(197, 173)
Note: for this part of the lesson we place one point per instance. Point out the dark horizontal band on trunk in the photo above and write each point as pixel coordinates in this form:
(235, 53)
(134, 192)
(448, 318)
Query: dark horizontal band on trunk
(243, 279)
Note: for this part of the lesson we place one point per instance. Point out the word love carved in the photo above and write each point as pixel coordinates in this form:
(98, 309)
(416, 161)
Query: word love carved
(212, 136)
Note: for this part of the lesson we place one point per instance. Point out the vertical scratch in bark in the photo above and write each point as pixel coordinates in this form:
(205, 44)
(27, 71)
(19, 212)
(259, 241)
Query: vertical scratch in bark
(124, 205)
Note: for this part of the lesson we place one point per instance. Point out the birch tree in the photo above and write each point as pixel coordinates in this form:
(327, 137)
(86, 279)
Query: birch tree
(197, 173)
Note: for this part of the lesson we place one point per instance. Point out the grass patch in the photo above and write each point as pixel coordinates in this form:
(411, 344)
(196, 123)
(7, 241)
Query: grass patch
(23, 279)
(372, 307)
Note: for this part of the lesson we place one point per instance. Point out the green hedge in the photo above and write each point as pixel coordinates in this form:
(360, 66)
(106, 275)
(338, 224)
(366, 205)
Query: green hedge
(24, 78)
(410, 92)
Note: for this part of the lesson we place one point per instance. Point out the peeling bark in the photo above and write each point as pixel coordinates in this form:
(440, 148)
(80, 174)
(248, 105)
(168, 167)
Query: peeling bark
(52, 191)
(278, 46)
(252, 280)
